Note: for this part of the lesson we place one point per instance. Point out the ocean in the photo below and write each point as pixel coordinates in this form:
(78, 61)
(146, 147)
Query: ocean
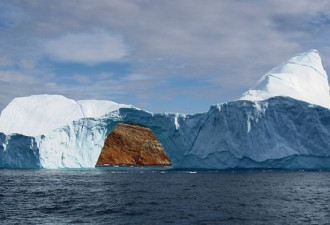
(160, 195)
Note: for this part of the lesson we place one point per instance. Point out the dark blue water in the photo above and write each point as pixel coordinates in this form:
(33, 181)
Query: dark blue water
(147, 196)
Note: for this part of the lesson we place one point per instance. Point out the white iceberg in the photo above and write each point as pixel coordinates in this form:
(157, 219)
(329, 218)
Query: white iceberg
(41, 114)
(283, 122)
(301, 77)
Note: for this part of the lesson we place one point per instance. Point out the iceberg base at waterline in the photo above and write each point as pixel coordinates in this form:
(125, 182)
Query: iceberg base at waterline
(276, 133)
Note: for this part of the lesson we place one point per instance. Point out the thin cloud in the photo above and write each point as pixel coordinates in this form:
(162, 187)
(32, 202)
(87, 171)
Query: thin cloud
(81, 78)
(9, 77)
(5, 61)
(136, 77)
(90, 48)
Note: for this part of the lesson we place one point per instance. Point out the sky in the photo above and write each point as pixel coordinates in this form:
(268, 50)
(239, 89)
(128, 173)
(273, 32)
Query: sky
(161, 56)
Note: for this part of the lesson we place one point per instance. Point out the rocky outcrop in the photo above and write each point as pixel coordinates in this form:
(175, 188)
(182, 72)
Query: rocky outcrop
(132, 144)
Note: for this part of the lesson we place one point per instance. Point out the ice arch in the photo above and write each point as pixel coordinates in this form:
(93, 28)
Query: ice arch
(132, 144)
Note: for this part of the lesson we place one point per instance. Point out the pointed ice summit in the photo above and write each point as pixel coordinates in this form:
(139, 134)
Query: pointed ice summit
(302, 77)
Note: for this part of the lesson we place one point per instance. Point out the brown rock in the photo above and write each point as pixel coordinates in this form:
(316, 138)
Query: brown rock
(132, 144)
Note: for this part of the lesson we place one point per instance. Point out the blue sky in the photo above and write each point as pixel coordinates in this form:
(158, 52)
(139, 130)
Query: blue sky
(162, 56)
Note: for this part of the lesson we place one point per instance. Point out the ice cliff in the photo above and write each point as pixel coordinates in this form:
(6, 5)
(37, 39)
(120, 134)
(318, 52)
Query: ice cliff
(282, 122)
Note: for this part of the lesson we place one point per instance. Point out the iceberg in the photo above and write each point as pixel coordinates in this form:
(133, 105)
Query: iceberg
(302, 77)
(282, 122)
(41, 114)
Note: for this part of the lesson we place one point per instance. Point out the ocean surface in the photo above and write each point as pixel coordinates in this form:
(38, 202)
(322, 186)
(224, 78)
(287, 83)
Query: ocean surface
(163, 196)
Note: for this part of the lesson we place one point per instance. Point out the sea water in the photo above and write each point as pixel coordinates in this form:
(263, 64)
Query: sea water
(163, 196)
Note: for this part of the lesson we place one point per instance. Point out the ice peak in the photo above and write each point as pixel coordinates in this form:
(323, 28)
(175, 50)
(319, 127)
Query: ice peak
(311, 59)
(301, 77)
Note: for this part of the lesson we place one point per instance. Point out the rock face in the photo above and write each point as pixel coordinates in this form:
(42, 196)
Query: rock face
(131, 144)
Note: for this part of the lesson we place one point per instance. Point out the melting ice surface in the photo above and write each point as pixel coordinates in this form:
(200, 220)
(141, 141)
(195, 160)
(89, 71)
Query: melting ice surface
(282, 122)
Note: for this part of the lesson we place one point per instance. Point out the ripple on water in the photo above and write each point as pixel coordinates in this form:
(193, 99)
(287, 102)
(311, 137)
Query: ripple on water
(164, 196)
